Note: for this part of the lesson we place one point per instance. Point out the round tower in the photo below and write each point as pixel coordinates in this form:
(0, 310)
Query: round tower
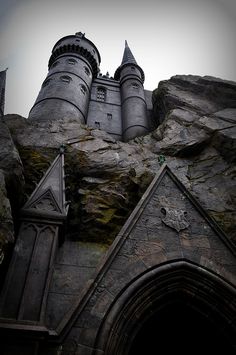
(65, 92)
(133, 103)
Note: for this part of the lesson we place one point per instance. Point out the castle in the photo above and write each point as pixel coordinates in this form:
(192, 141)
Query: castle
(75, 89)
(166, 282)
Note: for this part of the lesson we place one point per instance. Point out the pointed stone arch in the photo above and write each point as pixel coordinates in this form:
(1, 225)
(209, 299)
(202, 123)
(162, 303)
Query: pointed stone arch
(204, 291)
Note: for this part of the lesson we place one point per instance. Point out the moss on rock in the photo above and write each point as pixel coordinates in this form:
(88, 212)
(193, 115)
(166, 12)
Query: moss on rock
(35, 162)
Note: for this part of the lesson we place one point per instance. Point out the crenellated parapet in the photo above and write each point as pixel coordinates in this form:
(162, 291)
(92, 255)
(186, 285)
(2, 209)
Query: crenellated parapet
(79, 45)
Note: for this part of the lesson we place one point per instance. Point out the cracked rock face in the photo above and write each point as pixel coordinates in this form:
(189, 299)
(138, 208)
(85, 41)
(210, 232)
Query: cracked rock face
(196, 136)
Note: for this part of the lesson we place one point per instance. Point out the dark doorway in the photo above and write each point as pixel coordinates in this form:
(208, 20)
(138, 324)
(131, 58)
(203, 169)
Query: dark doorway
(178, 329)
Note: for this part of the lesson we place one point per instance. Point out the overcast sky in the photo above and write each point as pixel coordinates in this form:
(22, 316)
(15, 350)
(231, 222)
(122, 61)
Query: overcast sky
(167, 37)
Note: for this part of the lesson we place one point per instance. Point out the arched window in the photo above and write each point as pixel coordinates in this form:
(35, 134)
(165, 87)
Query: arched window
(46, 82)
(72, 61)
(55, 64)
(83, 89)
(97, 124)
(87, 71)
(101, 94)
(135, 85)
(66, 79)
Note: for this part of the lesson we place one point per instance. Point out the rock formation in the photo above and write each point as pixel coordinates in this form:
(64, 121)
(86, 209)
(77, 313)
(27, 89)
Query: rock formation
(196, 136)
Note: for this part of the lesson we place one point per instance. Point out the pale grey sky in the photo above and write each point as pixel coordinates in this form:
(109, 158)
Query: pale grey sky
(167, 37)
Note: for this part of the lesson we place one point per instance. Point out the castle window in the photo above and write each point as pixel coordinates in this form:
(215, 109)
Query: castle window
(132, 68)
(101, 94)
(55, 64)
(46, 82)
(71, 61)
(135, 85)
(109, 116)
(65, 78)
(87, 71)
(97, 124)
(83, 89)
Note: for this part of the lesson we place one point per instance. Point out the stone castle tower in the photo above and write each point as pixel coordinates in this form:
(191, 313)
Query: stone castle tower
(133, 262)
(75, 89)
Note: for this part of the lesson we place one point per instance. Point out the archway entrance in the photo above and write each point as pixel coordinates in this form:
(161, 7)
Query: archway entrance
(179, 329)
(175, 308)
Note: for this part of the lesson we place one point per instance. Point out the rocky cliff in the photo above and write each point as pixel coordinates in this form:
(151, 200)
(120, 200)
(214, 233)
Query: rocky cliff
(196, 136)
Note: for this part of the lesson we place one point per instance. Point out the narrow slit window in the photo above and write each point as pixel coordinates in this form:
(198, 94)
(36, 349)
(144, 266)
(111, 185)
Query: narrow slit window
(87, 71)
(97, 124)
(83, 89)
(109, 116)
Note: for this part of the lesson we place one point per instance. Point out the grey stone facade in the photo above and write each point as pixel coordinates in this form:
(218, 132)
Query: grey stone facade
(144, 258)
(2, 91)
(74, 90)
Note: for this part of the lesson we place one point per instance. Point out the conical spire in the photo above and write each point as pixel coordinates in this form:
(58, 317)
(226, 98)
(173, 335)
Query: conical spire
(128, 59)
(128, 55)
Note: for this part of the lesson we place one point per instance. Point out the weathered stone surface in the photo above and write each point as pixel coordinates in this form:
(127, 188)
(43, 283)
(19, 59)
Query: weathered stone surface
(11, 187)
(140, 248)
(6, 220)
(75, 265)
(10, 161)
(106, 178)
(204, 95)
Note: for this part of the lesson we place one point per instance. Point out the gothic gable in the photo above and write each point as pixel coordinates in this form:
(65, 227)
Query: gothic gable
(48, 199)
(167, 225)
(46, 202)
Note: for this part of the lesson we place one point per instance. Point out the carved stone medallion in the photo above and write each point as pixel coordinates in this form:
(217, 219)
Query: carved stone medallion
(175, 218)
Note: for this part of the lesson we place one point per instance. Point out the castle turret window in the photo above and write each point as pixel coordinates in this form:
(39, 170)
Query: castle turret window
(101, 94)
(55, 64)
(71, 61)
(87, 71)
(135, 85)
(83, 89)
(97, 124)
(46, 82)
(66, 78)
(109, 116)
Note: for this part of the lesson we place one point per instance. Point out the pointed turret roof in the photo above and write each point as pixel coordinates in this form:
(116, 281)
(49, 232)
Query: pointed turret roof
(128, 59)
(128, 55)
(48, 199)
